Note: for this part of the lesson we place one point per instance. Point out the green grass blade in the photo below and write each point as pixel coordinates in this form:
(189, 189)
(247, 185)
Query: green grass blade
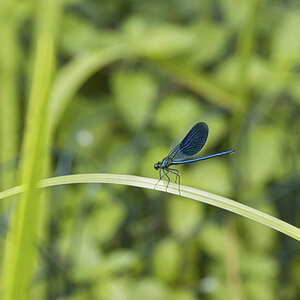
(200, 84)
(20, 249)
(186, 192)
(74, 74)
(8, 89)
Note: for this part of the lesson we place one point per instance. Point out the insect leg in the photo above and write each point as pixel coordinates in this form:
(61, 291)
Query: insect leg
(178, 183)
(166, 171)
(176, 172)
(160, 178)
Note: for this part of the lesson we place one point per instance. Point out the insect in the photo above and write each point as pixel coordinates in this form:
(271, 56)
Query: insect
(181, 154)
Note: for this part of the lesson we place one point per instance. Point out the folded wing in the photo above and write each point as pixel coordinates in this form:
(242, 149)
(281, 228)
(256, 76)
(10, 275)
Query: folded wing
(191, 144)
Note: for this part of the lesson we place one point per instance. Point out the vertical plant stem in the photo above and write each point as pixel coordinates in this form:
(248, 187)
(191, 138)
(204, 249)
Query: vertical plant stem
(8, 92)
(245, 48)
(244, 52)
(231, 255)
(20, 248)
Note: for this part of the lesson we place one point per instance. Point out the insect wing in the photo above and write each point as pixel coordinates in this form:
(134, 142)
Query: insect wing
(191, 144)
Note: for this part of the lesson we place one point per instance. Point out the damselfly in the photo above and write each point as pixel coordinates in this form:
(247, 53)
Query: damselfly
(190, 145)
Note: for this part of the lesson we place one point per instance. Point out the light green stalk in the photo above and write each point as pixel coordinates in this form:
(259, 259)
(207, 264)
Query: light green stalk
(20, 243)
(25, 224)
(72, 76)
(185, 191)
(9, 114)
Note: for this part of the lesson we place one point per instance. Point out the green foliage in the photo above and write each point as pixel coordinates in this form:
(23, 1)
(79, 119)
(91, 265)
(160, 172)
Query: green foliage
(190, 215)
(131, 78)
(134, 93)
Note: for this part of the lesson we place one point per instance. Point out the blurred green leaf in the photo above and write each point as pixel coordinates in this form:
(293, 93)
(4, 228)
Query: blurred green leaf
(265, 152)
(134, 93)
(149, 289)
(163, 39)
(79, 36)
(200, 83)
(264, 241)
(286, 41)
(183, 295)
(209, 175)
(176, 112)
(120, 261)
(70, 78)
(295, 88)
(114, 289)
(211, 240)
(263, 266)
(210, 42)
(260, 290)
(104, 224)
(227, 74)
(89, 262)
(167, 260)
(184, 217)
(235, 12)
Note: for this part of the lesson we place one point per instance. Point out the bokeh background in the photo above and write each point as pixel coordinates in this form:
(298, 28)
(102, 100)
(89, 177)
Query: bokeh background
(131, 78)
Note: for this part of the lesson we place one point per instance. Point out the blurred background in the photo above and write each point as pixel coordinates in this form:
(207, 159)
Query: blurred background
(131, 78)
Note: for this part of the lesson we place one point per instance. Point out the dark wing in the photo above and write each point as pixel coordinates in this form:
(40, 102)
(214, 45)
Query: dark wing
(191, 144)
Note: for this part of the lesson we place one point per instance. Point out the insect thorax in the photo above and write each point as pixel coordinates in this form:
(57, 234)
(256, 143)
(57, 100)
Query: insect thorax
(166, 162)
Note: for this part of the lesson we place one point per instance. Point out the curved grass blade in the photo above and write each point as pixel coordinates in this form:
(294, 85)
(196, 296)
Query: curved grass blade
(185, 191)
